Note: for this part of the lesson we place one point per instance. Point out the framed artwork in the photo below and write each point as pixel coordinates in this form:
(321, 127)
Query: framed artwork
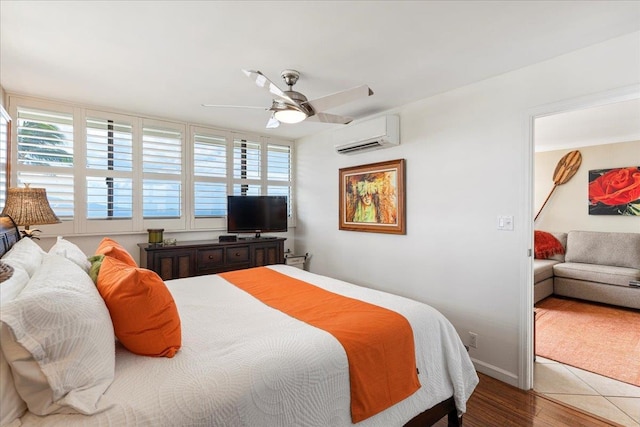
(372, 197)
(615, 191)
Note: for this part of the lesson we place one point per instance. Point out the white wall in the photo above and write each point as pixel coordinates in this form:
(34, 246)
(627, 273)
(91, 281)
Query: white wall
(567, 208)
(467, 158)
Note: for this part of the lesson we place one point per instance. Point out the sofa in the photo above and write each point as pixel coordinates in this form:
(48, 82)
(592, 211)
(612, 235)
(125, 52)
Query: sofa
(596, 266)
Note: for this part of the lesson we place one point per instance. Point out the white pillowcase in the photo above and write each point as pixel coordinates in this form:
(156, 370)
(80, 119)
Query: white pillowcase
(11, 404)
(58, 339)
(70, 251)
(26, 254)
(13, 407)
(10, 288)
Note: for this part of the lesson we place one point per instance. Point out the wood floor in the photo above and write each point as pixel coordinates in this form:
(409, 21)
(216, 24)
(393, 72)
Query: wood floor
(497, 404)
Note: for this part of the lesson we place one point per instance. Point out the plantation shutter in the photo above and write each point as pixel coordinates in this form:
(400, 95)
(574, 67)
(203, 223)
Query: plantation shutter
(279, 172)
(109, 159)
(162, 171)
(210, 175)
(4, 151)
(45, 151)
(246, 168)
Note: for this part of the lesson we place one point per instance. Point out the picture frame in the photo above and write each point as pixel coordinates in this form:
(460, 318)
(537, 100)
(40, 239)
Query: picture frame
(372, 197)
(614, 191)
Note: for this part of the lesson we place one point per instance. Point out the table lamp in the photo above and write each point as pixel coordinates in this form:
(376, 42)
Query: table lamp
(29, 206)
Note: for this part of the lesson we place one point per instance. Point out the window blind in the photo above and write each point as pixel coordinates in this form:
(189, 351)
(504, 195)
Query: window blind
(45, 152)
(109, 159)
(162, 169)
(210, 175)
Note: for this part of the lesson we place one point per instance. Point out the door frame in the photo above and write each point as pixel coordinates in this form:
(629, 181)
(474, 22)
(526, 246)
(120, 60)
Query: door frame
(526, 350)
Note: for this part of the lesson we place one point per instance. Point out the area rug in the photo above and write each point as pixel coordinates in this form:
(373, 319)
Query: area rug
(601, 339)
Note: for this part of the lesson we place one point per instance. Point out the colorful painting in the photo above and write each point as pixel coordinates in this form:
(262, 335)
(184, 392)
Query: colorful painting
(372, 197)
(615, 191)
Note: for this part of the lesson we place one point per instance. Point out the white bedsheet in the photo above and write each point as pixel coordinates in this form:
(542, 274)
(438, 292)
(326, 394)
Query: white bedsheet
(245, 364)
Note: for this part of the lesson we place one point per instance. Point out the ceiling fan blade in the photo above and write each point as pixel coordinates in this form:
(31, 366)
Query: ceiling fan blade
(233, 106)
(263, 82)
(329, 118)
(273, 122)
(339, 98)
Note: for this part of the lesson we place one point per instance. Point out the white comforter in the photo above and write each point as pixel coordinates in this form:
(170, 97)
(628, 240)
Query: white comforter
(245, 364)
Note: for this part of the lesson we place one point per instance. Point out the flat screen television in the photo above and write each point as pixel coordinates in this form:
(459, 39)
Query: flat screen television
(256, 214)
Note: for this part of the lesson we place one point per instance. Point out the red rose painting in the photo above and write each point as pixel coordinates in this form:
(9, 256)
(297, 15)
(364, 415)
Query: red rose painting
(614, 191)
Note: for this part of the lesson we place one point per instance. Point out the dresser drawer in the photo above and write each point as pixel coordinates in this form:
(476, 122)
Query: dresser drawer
(210, 258)
(237, 254)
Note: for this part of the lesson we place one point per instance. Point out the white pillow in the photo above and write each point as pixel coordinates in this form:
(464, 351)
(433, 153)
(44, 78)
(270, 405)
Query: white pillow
(10, 288)
(10, 401)
(25, 253)
(13, 407)
(70, 251)
(58, 339)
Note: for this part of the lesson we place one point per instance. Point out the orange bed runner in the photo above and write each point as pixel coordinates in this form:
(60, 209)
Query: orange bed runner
(378, 342)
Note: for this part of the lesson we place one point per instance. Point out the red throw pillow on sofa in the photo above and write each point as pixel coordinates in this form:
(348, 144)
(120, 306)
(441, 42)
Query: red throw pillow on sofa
(546, 245)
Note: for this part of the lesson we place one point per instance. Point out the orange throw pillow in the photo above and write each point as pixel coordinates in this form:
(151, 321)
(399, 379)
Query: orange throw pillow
(546, 245)
(110, 247)
(144, 314)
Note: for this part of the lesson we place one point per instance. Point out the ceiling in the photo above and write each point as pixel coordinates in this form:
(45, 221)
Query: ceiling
(166, 58)
(605, 124)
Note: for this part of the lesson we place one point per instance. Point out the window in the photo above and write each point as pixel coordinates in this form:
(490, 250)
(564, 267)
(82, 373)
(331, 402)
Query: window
(279, 172)
(246, 168)
(109, 159)
(5, 129)
(162, 170)
(224, 163)
(45, 156)
(114, 173)
(210, 174)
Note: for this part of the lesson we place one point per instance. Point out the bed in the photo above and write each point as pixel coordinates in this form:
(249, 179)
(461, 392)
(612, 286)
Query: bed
(244, 363)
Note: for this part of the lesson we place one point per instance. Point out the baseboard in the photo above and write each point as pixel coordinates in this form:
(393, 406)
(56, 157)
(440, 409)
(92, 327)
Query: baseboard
(495, 372)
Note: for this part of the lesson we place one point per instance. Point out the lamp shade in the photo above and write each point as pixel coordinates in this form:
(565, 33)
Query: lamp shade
(29, 206)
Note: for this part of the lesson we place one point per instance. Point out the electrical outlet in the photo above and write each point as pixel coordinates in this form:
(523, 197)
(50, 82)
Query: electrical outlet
(473, 340)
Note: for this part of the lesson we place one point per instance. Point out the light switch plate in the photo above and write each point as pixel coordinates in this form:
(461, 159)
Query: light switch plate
(505, 222)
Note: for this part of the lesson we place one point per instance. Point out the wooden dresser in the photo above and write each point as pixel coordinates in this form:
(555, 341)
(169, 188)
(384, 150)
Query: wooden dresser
(195, 258)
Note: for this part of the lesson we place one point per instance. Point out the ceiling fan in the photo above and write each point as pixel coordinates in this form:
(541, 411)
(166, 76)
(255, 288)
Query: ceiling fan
(290, 106)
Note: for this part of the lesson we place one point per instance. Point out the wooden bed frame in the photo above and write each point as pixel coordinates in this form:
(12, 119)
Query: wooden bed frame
(9, 235)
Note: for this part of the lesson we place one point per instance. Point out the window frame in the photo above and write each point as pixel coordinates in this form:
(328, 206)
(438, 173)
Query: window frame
(5, 141)
(93, 226)
(187, 222)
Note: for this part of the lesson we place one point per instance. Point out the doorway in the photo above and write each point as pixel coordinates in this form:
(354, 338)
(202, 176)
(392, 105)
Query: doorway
(565, 122)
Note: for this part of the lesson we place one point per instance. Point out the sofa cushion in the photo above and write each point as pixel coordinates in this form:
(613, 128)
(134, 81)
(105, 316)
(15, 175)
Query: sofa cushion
(611, 275)
(562, 238)
(604, 248)
(543, 269)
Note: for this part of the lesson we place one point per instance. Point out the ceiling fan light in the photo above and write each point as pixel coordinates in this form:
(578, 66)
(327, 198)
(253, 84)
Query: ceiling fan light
(290, 116)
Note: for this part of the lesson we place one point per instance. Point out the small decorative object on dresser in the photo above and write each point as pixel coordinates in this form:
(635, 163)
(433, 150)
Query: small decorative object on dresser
(155, 235)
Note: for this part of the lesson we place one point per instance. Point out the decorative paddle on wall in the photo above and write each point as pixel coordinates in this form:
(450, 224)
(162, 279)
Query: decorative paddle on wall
(566, 168)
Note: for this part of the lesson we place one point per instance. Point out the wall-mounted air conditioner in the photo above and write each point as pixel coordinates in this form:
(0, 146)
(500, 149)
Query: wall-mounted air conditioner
(373, 134)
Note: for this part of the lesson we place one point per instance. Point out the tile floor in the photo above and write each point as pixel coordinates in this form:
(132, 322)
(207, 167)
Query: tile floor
(602, 396)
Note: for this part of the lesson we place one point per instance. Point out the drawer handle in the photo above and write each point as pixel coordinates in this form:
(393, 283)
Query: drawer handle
(237, 253)
(210, 256)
